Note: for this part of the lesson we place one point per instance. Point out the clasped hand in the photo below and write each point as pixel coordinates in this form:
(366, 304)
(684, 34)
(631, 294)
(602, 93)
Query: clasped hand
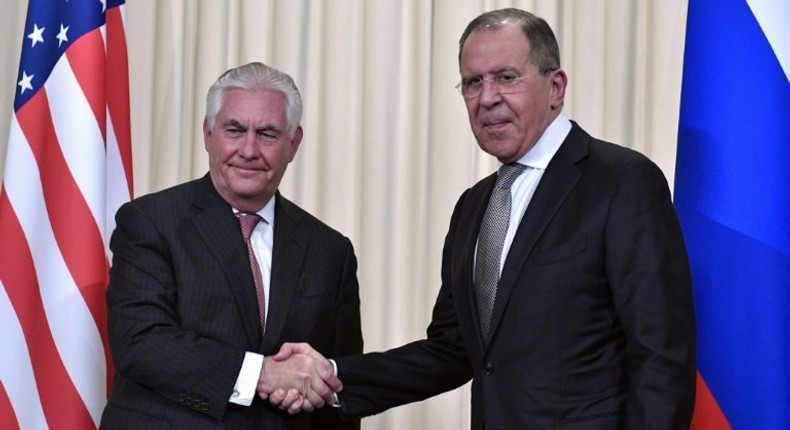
(298, 378)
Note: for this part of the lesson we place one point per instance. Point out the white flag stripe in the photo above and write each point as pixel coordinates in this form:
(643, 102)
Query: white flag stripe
(103, 31)
(774, 17)
(122, 8)
(16, 370)
(117, 187)
(64, 306)
(79, 136)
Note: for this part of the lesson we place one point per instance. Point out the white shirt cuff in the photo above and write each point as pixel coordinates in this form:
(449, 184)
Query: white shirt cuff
(247, 382)
(335, 398)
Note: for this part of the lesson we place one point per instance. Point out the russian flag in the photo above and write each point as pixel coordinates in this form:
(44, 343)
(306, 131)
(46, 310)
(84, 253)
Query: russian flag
(732, 192)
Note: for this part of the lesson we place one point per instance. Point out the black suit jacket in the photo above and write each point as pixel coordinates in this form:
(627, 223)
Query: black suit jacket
(182, 309)
(593, 324)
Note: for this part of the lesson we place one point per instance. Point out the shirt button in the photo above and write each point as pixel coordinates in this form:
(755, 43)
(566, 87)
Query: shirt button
(235, 393)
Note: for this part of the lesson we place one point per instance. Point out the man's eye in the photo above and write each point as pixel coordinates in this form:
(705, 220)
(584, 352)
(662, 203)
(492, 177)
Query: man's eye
(473, 82)
(506, 78)
(268, 135)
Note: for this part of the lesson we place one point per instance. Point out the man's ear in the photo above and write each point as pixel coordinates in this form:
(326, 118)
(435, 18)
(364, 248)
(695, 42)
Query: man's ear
(296, 141)
(206, 133)
(559, 81)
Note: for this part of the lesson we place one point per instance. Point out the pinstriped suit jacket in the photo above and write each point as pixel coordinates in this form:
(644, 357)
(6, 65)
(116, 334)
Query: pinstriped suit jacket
(182, 309)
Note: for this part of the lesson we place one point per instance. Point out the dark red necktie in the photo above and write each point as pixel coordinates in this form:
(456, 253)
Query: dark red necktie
(248, 222)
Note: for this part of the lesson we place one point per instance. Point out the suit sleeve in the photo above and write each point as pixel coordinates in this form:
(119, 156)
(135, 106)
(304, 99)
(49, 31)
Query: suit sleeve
(378, 381)
(348, 335)
(150, 346)
(647, 267)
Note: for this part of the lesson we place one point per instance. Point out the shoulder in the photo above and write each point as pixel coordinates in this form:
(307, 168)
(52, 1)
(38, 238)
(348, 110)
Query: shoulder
(166, 206)
(287, 211)
(172, 196)
(602, 157)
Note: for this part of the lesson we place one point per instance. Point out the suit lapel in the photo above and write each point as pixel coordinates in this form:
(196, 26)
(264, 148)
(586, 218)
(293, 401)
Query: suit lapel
(560, 178)
(288, 253)
(217, 226)
(468, 228)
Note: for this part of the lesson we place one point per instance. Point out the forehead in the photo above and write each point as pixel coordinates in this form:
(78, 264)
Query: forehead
(258, 104)
(490, 49)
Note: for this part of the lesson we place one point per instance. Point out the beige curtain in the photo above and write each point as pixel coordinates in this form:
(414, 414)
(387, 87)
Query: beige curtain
(387, 146)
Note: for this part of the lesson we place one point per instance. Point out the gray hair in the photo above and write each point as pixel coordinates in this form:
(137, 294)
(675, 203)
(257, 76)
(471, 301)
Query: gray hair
(544, 51)
(255, 76)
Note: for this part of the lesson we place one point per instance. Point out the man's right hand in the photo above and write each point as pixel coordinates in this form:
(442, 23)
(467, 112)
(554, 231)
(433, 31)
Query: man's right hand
(298, 379)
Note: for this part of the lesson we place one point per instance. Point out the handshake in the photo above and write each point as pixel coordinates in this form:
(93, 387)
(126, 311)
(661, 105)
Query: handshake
(298, 378)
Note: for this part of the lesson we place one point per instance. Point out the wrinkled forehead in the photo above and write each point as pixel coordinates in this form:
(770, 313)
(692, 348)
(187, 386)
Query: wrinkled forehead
(492, 48)
(507, 30)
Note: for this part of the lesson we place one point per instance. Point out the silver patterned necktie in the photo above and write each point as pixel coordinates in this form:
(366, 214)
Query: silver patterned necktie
(248, 221)
(490, 242)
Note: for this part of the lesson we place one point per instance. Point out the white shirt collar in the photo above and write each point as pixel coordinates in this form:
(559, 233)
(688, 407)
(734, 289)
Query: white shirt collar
(267, 212)
(541, 154)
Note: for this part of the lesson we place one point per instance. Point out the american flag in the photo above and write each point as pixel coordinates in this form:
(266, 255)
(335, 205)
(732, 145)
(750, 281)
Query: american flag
(68, 168)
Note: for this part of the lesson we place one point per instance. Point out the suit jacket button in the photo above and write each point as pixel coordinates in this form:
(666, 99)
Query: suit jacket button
(489, 369)
(204, 406)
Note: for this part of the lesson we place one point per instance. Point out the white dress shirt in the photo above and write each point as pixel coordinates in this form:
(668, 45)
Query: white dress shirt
(523, 188)
(262, 241)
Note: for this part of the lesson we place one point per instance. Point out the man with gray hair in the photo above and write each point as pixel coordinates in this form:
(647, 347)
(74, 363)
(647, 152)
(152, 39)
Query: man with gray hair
(566, 292)
(212, 276)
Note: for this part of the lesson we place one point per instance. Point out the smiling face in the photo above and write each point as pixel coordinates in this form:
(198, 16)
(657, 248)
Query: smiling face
(508, 125)
(249, 147)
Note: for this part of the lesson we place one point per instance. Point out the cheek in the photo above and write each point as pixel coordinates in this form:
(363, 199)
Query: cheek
(471, 109)
(221, 153)
(275, 157)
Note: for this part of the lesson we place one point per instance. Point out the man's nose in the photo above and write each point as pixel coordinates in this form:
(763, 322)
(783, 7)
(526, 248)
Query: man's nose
(489, 94)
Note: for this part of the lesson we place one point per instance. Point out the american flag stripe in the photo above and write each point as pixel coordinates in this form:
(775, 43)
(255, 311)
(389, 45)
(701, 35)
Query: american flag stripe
(89, 72)
(37, 342)
(68, 169)
(118, 106)
(6, 411)
(18, 307)
(62, 346)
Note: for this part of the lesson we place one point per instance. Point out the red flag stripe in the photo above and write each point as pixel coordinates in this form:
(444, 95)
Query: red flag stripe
(707, 414)
(119, 186)
(88, 69)
(118, 90)
(75, 229)
(16, 370)
(17, 271)
(93, 79)
(76, 235)
(7, 415)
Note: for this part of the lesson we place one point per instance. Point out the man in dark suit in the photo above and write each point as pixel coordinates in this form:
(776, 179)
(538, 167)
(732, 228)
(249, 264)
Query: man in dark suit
(189, 332)
(588, 322)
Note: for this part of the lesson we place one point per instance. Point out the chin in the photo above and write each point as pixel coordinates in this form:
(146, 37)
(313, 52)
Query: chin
(500, 150)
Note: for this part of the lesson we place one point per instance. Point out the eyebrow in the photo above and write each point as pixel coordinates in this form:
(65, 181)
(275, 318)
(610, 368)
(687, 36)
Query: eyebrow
(503, 69)
(267, 127)
(233, 123)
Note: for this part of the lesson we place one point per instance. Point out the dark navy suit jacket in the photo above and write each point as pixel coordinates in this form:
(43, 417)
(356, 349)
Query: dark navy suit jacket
(183, 311)
(593, 324)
